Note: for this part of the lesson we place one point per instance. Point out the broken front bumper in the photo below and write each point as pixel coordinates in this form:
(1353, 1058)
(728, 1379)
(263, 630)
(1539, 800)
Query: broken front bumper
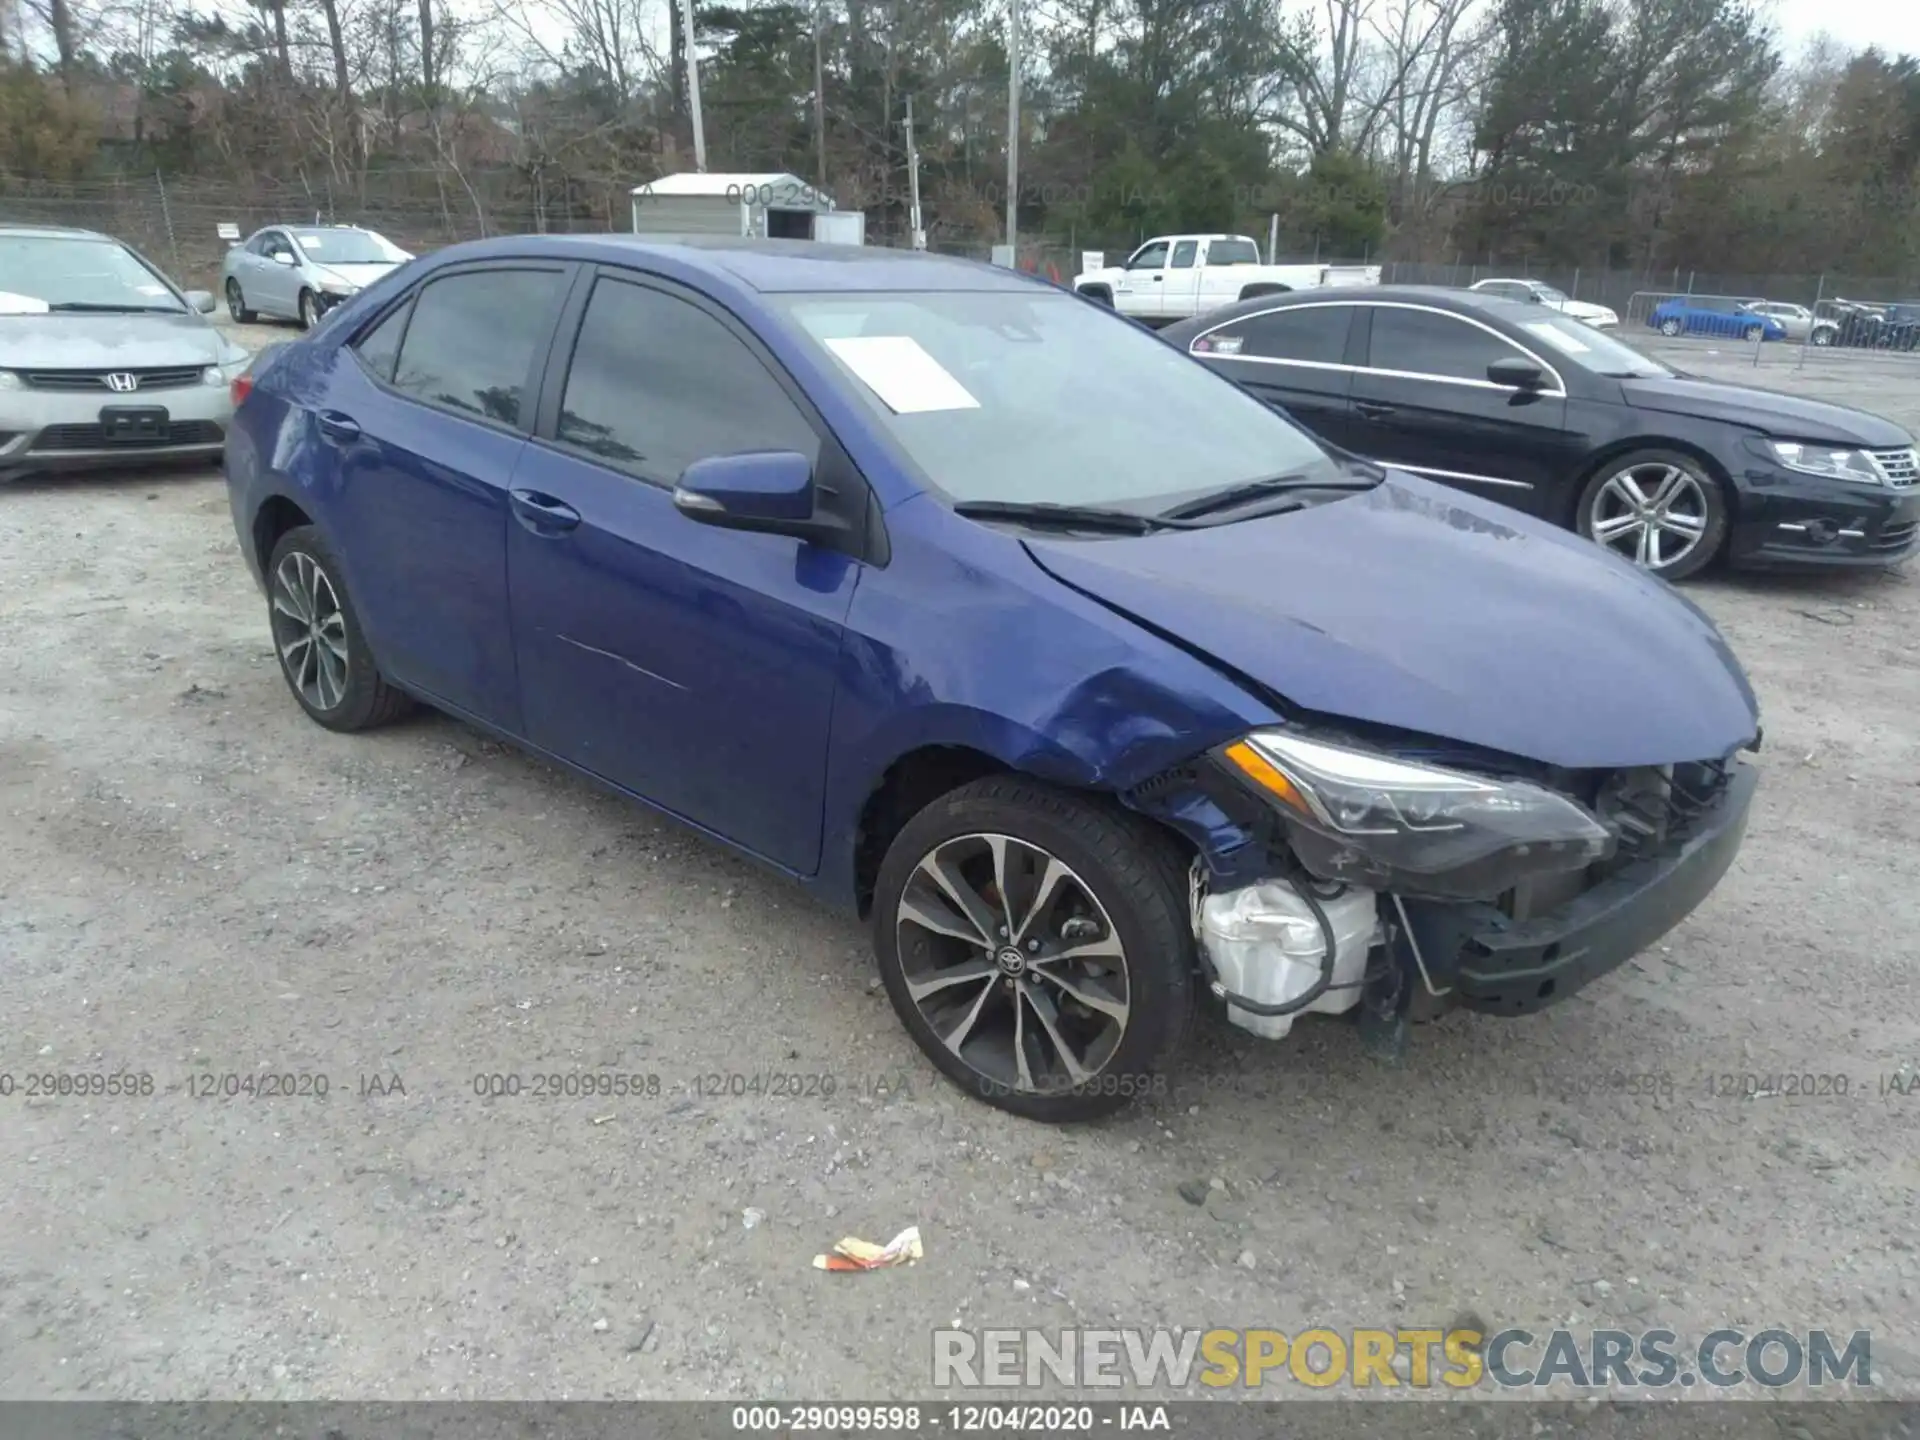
(1478, 957)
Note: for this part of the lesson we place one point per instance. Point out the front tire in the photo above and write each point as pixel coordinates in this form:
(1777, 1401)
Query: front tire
(1754, 333)
(1036, 945)
(316, 633)
(1670, 328)
(1658, 508)
(309, 310)
(237, 305)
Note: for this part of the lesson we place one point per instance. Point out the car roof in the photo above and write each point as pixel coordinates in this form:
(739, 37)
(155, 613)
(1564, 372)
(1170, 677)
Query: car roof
(1437, 297)
(55, 232)
(766, 266)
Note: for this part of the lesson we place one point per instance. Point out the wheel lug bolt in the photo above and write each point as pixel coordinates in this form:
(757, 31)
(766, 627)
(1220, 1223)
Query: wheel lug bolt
(1033, 946)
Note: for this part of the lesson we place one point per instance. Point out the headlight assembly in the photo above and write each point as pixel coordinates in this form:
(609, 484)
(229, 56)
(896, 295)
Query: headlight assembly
(1389, 824)
(1827, 460)
(10, 381)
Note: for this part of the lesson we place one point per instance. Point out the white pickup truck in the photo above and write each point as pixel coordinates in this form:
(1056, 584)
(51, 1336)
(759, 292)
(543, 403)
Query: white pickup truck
(1172, 277)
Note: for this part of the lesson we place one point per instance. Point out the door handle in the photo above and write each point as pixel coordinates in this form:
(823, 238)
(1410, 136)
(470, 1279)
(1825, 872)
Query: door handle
(336, 426)
(543, 514)
(1371, 410)
(1156, 279)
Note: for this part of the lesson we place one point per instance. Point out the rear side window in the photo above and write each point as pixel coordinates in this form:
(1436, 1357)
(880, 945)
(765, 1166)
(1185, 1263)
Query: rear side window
(657, 383)
(472, 341)
(1233, 252)
(380, 346)
(1424, 342)
(1316, 334)
(1183, 254)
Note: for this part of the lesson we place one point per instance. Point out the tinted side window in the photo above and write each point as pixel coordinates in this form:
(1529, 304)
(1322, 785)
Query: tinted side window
(1183, 254)
(1153, 257)
(1421, 342)
(1232, 252)
(473, 339)
(657, 383)
(1316, 333)
(380, 346)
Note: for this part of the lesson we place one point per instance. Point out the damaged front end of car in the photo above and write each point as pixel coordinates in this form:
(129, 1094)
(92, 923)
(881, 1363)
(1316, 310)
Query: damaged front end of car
(1388, 878)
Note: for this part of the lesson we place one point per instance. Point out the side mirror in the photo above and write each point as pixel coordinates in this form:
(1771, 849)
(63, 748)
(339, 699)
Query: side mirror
(1516, 374)
(281, 257)
(770, 492)
(201, 300)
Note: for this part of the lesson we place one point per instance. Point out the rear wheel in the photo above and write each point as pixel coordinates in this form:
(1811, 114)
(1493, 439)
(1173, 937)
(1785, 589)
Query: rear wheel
(316, 633)
(1036, 945)
(1658, 508)
(237, 305)
(1823, 337)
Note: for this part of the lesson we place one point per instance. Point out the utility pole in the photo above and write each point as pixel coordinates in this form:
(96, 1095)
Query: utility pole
(919, 240)
(819, 102)
(693, 89)
(1013, 120)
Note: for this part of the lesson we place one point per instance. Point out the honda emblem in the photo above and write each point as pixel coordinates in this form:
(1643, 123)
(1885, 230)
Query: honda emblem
(121, 383)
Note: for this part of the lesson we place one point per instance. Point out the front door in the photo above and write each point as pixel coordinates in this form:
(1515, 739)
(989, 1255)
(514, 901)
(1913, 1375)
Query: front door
(1138, 291)
(1423, 402)
(691, 665)
(421, 432)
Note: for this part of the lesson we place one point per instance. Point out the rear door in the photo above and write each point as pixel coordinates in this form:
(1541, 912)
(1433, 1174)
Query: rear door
(419, 437)
(692, 665)
(1423, 402)
(1227, 263)
(1137, 292)
(1297, 357)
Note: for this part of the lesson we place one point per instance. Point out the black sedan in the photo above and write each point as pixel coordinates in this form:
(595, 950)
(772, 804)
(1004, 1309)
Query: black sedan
(1555, 418)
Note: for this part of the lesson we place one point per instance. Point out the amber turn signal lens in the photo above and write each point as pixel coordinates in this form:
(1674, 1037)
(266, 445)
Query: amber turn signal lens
(1264, 773)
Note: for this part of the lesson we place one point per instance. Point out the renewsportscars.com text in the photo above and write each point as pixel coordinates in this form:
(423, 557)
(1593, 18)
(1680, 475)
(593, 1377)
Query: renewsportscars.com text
(1456, 1359)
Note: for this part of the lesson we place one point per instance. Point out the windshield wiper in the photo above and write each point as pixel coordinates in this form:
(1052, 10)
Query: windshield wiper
(1067, 517)
(87, 307)
(1234, 496)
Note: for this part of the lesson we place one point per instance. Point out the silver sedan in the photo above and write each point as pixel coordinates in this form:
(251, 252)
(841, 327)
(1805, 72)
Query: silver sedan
(106, 361)
(299, 272)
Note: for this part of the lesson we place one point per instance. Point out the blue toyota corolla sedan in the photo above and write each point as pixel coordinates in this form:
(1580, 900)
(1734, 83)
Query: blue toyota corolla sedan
(1097, 684)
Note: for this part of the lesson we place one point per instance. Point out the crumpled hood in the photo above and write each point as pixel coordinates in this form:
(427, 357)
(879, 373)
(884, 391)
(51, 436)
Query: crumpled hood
(352, 277)
(111, 342)
(1771, 412)
(1417, 607)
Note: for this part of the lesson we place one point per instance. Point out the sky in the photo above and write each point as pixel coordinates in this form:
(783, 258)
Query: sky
(1893, 25)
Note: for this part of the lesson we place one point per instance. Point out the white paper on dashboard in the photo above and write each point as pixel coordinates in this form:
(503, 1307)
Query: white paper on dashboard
(907, 379)
(12, 304)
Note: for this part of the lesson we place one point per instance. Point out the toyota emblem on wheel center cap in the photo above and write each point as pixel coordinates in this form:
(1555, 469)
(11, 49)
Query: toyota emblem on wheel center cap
(1011, 961)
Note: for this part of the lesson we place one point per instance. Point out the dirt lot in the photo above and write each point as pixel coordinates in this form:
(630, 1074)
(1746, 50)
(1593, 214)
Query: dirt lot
(199, 882)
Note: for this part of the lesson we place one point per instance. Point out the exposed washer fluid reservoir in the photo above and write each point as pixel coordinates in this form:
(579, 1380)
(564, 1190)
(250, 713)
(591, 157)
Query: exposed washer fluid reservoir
(1267, 946)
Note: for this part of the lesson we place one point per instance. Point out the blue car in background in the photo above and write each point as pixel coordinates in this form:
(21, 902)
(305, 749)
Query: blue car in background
(848, 559)
(1699, 315)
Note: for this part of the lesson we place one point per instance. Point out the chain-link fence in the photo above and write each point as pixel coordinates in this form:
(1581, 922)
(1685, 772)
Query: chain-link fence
(176, 221)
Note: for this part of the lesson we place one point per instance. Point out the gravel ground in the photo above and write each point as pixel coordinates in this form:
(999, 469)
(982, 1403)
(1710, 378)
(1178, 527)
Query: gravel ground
(200, 882)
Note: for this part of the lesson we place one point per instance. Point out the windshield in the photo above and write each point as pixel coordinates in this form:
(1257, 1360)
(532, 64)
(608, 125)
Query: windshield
(348, 247)
(61, 271)
(1595, 349)
(1044, 397)
(1548, 293)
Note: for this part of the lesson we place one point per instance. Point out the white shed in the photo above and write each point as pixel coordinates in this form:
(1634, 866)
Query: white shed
(774, 206)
